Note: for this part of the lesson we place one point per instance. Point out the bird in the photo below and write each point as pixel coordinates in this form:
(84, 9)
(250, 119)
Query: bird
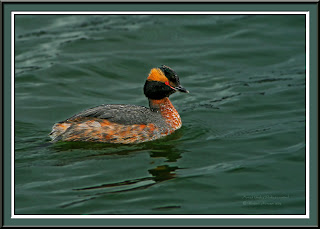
(127, 124)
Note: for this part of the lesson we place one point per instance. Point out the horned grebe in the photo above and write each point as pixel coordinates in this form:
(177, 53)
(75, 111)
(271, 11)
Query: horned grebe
(128, 124)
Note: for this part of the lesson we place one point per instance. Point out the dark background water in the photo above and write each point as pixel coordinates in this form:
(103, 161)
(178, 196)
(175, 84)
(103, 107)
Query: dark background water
(241, 149)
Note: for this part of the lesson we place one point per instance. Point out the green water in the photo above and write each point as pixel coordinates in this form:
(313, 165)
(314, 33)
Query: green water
(241, 149)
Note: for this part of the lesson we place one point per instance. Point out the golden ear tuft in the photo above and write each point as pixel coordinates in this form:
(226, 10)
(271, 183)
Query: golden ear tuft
(157, 75)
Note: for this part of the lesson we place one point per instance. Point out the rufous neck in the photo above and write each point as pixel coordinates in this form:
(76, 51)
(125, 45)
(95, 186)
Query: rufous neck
(158, 104)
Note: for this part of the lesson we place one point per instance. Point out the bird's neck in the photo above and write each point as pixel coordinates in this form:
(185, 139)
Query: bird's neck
(167, 111)
(159, 105)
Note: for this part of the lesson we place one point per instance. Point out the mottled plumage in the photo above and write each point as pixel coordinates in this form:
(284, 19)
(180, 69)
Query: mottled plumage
(127, 124)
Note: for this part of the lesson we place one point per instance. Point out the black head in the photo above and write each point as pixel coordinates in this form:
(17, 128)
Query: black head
(162, 82)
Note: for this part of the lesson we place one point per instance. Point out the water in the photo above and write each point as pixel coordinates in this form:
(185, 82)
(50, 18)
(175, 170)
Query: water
(241, 149)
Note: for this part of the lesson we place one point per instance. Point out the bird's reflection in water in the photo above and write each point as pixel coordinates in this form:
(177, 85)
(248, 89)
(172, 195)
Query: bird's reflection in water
(162, 149)
(159, 173)
(163, 173)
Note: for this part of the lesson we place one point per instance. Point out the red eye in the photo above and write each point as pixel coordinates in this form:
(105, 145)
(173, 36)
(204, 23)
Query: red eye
(168, 84)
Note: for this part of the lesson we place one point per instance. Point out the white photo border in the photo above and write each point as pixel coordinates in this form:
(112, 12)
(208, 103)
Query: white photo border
(307, 37)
